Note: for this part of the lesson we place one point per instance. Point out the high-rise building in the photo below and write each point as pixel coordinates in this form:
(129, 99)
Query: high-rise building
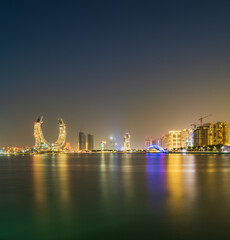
(90, 142)
(164, 141)
(174, 139)
(102, 145)
(157, 141)
(212, 134)
(127, 145)
(229, 134)
(203, 135)
(82, 141)
(148, 142)
(186, 138)
(221, 133)
(113, 144)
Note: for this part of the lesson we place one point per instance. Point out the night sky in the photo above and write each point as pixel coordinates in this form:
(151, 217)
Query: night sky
(110, 66)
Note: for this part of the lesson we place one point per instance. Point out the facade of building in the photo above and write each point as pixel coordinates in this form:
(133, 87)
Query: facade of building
(212, 134)
(148, 142)
(90, 142)
(113, 144)
(40, 142)
(221, 133)
(164, 141)
(82, 141)
(201, 136)
(157, 141)
(102, 145)
(127, 145)
(174, 140)
(68, 146)
(228, 134)
(186, 138)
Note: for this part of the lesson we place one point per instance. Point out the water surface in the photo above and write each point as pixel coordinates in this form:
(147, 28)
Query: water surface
(115, 196)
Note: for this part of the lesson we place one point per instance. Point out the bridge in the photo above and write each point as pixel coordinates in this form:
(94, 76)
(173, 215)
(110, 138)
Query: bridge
(157, 147)
(42, 144)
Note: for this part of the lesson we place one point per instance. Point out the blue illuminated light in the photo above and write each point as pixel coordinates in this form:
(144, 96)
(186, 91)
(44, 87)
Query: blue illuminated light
(157, 147)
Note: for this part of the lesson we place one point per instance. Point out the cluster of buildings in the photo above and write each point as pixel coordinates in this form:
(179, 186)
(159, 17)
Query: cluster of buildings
(207, 135)
(112, 144)
(85, 143)
(12, 150)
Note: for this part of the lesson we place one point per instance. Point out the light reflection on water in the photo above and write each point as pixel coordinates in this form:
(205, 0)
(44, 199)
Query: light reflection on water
(85, 195)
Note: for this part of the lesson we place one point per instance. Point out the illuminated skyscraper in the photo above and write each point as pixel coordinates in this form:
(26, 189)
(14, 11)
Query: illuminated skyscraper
(221, 136)
(174, 139)
(102, 145)
(113, 144)
(40, 142)
(229, 134)
(67, 146)
(82, 141)
(164, 141)
(127, 146)
(148, 142)
(90, 142)
(186, 138)
(212, 134)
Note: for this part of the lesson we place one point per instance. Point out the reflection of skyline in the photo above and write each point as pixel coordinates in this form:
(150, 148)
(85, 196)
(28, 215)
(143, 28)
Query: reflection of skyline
(85, 193)
(63, 179)
(57, 184)
(167, 183)
(172, 176)
(39, 188)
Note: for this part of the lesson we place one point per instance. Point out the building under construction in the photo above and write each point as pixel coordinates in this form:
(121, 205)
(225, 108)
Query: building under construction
(211, 134)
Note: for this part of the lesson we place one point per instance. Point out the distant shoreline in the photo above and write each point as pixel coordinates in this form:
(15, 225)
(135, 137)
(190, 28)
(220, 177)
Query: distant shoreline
(167, 153)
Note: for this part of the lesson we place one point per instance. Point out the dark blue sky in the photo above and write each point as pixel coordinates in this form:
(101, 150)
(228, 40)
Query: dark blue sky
(109, 66)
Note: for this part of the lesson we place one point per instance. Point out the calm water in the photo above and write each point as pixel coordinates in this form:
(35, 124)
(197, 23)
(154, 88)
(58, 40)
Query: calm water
(115, 196)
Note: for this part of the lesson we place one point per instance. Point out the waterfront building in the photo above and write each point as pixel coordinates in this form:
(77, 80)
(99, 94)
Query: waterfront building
(102, 145)
(113, 144)
(174, 140)
(202, 136)
(82, 141)
(40, 142)
(164, 141)
(127, 145)
(212, 134)
(157, 141)
(148, 142)
(90, 142)
(186, 138)
(68, 147)
(221, 133)
(229, 134)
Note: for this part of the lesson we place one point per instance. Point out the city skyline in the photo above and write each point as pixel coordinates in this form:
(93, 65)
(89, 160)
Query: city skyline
(107, 67)
(85, 141)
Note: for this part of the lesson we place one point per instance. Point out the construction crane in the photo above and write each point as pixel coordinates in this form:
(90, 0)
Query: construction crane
(202, 117)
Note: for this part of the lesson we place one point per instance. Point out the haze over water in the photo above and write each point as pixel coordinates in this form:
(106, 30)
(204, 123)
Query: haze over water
(115, 196)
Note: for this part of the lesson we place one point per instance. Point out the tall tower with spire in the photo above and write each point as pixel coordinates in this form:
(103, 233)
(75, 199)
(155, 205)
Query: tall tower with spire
(127, 146)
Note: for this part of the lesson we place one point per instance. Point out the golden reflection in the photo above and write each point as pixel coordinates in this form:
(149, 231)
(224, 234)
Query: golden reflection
(175, 181)
(181, 181)
(127, 181)
(104, 178)
(39, 189)
(63, 178)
